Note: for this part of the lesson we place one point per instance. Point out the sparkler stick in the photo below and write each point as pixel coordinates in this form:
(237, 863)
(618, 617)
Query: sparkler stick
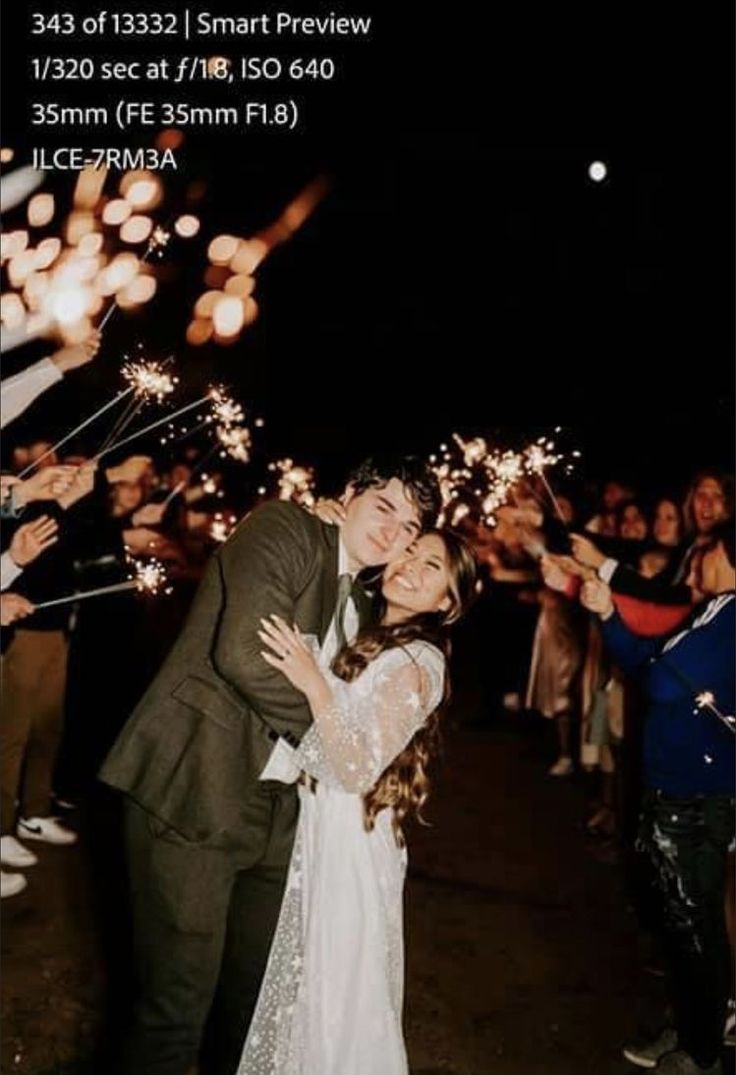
(158, 241)
(124, 420)
(553, 498)
(706, 700)
(77, 429)
(151, 426)
(190, 432)
(148, 380)
(149, 578)
(181, 486)
(117, 588)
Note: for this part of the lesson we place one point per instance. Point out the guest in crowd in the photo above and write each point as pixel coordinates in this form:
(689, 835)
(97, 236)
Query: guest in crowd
(688, 819)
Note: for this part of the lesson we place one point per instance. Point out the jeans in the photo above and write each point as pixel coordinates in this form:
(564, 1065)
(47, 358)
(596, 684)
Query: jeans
(687, 841)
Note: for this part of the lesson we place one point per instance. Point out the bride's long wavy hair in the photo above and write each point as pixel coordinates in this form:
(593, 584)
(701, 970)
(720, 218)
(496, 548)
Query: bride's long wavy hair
(404, 785)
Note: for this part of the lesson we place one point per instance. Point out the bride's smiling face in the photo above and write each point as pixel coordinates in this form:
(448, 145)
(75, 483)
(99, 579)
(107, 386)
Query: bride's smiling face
(418, 581)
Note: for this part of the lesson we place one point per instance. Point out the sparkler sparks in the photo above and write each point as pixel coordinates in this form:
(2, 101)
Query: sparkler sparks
(235, 441)
(473, 471)
(537, 457)
(222, 527)
(150, 576)
(295, 482)
(225, 410)
(707, 700)
(149, 380)
(159, 239)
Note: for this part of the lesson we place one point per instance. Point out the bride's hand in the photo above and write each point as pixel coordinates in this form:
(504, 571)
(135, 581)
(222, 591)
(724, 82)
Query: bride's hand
(290, 654)
(329, 511)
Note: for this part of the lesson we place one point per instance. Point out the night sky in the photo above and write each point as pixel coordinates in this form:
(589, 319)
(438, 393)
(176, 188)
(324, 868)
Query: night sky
(465, 273)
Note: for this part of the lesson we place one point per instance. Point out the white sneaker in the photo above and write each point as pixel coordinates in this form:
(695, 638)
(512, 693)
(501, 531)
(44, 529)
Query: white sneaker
(562, 767)
(13, 853)
(47, 829)
(11, 884)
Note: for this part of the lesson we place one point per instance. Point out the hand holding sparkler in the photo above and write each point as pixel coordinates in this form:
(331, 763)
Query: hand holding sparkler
(554, 574)
(83, 484)
(46, 484)
(78, 354)
(585, 552)
(31, 539)
(596, 597)
(574, 568)
(13, 607)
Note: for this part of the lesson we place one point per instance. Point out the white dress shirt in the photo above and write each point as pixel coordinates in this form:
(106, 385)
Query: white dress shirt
(9, 571)
(329, 646)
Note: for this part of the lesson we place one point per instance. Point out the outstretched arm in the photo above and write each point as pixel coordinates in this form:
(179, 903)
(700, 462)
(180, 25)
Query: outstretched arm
(631, 652)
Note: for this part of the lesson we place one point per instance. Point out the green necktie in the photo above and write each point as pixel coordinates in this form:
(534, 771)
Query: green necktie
(344, 589)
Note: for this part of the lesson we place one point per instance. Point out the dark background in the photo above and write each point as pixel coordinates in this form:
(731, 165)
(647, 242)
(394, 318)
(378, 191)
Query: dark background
(465, 273)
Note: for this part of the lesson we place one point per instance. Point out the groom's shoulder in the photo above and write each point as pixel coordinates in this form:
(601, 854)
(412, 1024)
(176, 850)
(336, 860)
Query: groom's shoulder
(282, 520)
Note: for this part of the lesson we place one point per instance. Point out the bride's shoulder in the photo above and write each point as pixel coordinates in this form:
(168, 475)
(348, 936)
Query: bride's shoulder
(419, 652)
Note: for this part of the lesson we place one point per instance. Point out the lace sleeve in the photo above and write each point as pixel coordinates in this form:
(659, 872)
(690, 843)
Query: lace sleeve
(370, 720)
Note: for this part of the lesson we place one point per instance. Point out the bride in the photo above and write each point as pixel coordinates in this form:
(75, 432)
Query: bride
(331, 999)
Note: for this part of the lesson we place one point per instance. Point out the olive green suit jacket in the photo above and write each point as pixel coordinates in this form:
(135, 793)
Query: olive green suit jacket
(194, 747)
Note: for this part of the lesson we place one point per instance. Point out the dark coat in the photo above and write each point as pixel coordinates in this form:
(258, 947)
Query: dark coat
(194, 747)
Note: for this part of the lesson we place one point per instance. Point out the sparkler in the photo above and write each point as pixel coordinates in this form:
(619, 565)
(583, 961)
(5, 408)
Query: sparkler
(149, 381)
(156, 244)
(181, 486)
(490, 475)
(222, 528)
(153, 425)
(225, 410)
(295, 482)
(707, 700)
(537, 457)
(235, 441)
(77, 429)
(150, 578)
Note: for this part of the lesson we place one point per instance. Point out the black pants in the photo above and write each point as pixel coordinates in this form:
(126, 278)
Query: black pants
(204, 918)
(687, 841)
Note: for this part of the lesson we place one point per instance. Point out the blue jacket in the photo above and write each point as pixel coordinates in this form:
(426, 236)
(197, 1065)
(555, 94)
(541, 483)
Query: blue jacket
(687, 750)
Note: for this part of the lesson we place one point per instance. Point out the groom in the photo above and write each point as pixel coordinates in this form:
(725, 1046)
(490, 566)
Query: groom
(208, 843)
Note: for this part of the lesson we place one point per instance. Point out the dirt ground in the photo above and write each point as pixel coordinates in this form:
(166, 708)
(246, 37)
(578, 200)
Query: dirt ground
(523, 956)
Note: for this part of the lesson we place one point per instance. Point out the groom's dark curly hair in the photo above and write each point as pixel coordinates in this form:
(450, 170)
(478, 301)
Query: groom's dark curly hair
(414, 474)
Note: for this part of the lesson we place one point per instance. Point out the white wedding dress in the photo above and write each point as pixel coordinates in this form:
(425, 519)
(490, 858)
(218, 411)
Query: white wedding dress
(331, 999)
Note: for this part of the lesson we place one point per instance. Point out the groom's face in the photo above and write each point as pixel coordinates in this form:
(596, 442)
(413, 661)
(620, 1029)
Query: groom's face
(380, 524)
